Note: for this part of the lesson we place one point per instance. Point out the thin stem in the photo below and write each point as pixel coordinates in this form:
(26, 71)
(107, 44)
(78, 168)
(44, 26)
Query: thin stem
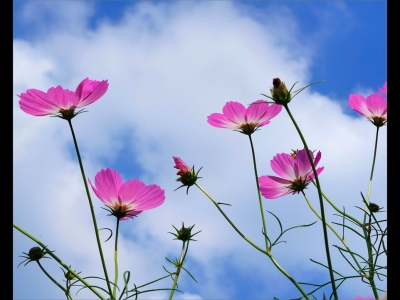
(321, 202)
(116, 261)
(268, 253)
(365, 230)
(178, 269)
(336, 208)
(91, 208)
(59, 261)
(335, 232)
(259, 194)
(69, 296)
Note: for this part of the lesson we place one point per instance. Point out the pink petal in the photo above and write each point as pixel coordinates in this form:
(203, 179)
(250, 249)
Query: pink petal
(140, 196)
(35, 102)
(319, 170)
(62, 98)
(180, 164)
(384, 90)
(108, 183)
(272, 187)
(256, 112)
(89, 91)
(283, 164)
(220, 121)
(235, 112)
(377, 104)
(303, 163)
(358, 103)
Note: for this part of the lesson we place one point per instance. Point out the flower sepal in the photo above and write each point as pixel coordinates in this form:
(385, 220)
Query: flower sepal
(188, 178)
(34, 254)
(184, 234)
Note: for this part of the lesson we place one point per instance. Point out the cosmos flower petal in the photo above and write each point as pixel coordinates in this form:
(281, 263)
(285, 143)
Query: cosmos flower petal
(180, 164)
(35, 102)
(89, 91)
(257, 112)
(358, 103)
(283, 164)
(384, 90)
(260, 111)
(220, 121)
(62, 98)
(140, 196)
(319, 170)
(377, 104)
(303, 163)
(107, 185)
(272, 187)
(235, 112)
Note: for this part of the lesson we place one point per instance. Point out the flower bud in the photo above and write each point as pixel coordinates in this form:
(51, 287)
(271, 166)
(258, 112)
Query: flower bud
(373, 207)
(279, 92)
(35, 253)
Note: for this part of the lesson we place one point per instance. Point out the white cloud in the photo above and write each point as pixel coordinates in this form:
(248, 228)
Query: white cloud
(169, 67)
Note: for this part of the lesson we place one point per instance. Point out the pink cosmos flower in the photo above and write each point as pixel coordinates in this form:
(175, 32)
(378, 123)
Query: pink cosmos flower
(235, 116)
(374, 107)
(59, 100)
(128, 199)
(384, 90)
(361, 298)
(295, 173)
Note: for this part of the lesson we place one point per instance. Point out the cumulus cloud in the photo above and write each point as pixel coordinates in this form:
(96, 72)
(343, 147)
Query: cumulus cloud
(170, 66)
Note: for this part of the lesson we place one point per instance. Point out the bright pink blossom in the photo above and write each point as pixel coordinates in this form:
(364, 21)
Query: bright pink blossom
(374, 107)
(128, 199)
(235, 116)
(361, 298)
(59, 100)
(295, 173)
(384, 90)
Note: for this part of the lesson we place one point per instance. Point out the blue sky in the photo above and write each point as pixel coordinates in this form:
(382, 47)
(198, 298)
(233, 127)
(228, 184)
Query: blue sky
(170, 64)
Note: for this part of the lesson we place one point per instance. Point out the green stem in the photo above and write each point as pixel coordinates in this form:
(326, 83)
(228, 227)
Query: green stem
(178, 269)
(334, 231)
(259, 193)
(69, 296)
(367, 232)
(59, 261)
(370, 261)
(321, 202)
(268, 253)
(116, 261)
(337, 209)
(91, 208)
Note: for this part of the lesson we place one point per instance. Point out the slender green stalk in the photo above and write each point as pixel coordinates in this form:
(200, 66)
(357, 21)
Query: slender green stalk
(335, 232)
(368, 232)
(91, 208)
(370, 261)
(373, 167)
(178, 268)
(116, 261)
(259, 193)
(336, 208)
(59, 261)
(69, 296)
(268, 253)
(321, 202)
